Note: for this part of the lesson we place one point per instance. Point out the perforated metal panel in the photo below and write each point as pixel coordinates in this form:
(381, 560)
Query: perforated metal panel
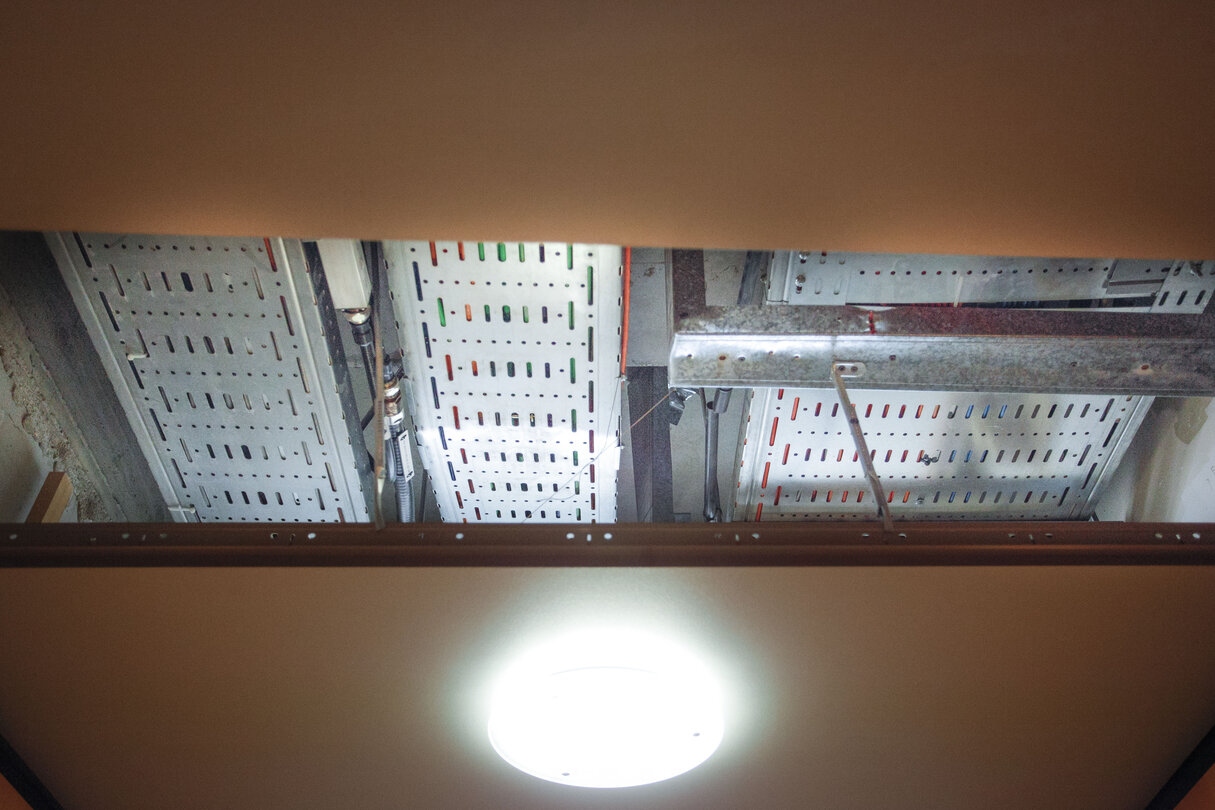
(513, 357)
(1188, 287)
(223, 353)
(949, 455)
(822, 278)
(940, 455)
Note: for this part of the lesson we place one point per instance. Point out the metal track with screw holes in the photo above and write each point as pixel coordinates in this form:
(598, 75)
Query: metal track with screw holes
(579, 545)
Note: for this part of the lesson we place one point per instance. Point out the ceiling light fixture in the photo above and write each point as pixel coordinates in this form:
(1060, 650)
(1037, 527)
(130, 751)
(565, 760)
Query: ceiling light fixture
(606, 709)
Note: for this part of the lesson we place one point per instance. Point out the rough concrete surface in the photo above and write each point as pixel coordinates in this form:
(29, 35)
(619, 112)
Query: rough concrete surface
(36, 428)
(25, 464)
(61, 397)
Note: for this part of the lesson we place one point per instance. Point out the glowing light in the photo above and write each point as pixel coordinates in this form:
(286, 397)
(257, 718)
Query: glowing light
(606, 709)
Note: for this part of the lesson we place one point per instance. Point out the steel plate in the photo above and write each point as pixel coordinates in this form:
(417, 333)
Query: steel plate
(513, 358)
(220, 352)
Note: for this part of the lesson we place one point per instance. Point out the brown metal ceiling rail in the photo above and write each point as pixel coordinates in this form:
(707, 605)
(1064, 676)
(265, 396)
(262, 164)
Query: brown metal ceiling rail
(583, 545)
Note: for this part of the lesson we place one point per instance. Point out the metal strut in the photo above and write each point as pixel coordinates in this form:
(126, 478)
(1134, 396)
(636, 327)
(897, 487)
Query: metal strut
(712, 410)
(862, 450)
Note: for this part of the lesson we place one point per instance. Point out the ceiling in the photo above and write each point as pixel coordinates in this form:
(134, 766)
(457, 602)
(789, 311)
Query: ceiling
(1031, 128)
(1073, 687)
(1058, 129)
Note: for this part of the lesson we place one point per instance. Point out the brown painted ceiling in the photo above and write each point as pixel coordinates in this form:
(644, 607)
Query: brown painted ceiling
(937, 688)
(1033, 127)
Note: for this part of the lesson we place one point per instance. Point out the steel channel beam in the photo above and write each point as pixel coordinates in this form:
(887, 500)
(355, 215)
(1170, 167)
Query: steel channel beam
(579, 545)
(946, 348)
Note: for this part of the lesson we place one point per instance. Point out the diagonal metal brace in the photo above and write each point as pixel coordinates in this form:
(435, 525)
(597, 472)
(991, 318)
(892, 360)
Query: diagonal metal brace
(862, 449)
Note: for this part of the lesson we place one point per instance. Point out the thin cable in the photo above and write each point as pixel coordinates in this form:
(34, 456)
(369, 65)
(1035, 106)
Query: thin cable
(578, 473)
(584, 467)
(651, 410)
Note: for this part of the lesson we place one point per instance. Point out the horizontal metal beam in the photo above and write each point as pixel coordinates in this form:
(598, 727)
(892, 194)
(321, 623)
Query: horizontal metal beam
(582, 545)
(948, 348)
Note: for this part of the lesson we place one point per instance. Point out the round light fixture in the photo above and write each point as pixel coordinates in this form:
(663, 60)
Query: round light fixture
(606, 709)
